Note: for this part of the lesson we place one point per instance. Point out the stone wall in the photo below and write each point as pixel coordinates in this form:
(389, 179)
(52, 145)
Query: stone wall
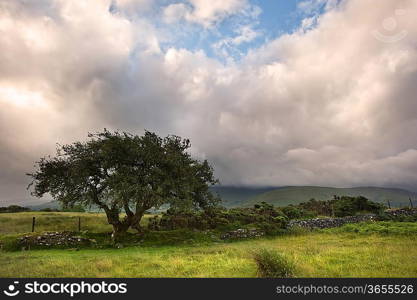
(336, 222)
(48, 239)
(242, 234)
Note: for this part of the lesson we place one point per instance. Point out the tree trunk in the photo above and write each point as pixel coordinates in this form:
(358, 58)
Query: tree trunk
(119, 231)
(135, 224)
(119, 227)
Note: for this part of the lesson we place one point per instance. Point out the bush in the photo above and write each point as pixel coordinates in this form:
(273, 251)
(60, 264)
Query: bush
(263, 216)
(272, 264)
(350, 206)
(293, 212)
(9, 243)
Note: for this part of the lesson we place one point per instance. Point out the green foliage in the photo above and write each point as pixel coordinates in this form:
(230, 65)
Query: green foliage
(318, 207)
(271, 229)
(350, 206)
(262, 216)
(272, 264)
(9, 242)
(338, 206)
(176, 237)
(293, 212)
(119, 171)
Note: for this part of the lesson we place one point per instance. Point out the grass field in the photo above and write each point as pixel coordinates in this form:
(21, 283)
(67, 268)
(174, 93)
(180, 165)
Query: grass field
(383, 249)
(11, 223)
(315, 255)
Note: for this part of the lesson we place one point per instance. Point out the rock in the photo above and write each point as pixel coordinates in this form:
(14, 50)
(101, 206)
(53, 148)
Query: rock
(49, 239)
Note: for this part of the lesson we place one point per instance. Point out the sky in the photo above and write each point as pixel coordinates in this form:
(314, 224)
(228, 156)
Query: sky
(272, 93)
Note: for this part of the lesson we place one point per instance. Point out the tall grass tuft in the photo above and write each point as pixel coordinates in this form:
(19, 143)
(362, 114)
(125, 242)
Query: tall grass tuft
(272, 264)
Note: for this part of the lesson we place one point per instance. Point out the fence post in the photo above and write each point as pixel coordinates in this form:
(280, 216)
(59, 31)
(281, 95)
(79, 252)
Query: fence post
(389, 205)
(33, 224)
(79, 223)
(411, 202)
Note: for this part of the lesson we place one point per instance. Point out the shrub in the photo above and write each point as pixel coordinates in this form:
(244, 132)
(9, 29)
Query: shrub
(293, 212)
(9, 243)
(350, 206)
(272, 264)
(263, 216)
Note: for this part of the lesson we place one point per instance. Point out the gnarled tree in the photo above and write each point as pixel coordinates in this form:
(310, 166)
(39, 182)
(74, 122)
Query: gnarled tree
(120, 172)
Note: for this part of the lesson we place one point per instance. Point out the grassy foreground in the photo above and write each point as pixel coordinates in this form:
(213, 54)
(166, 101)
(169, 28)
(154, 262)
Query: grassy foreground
(318, 254)
(381, 249)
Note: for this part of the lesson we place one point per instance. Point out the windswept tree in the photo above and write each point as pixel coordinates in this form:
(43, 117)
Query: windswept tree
(120, 172)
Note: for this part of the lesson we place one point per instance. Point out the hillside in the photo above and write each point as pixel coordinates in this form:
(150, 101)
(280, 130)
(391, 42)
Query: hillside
(51, 204)
(233, 196)
(56, 205)
(297, 194)
(247, 196)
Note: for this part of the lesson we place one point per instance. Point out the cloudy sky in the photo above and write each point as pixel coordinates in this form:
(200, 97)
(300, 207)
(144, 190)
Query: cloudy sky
(283, 92)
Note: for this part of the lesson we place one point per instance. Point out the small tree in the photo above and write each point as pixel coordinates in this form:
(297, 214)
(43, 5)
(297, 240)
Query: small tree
(118, 171)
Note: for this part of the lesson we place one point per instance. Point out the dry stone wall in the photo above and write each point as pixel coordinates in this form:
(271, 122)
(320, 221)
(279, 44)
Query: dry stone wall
(318, 223)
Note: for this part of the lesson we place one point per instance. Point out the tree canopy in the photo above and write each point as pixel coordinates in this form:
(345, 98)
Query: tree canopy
(119, 171)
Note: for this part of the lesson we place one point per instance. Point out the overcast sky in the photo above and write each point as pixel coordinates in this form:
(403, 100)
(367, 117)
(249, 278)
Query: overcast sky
(275, 92)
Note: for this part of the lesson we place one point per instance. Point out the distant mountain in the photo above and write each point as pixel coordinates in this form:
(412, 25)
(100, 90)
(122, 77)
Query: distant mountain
(233, 196)
(51, 204)
(56, 205)
(297, 194)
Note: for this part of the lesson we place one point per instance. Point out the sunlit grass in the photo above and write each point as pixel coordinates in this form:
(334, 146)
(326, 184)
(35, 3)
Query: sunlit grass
(316, 254)
(381, 249)
(11, 223)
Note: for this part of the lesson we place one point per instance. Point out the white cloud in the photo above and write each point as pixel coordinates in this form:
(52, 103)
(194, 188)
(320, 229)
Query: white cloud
(313, 6)
(133, 6)
(331, 105)
(175, 12)
(208, 13)
(228, 47)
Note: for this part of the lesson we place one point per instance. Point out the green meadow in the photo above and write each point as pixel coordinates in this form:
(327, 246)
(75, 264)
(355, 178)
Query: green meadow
(14, 223)
(382, 249)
